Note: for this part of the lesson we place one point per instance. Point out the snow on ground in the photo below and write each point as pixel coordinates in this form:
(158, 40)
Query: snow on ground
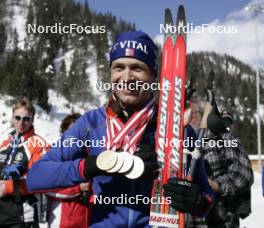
(257, 203)
(92, 73)
(67, 57)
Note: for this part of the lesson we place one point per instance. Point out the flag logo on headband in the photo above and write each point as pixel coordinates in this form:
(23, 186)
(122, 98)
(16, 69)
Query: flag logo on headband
(135, 44)
(130, 52)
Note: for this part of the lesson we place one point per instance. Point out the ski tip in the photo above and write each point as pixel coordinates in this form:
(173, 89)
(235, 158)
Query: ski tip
(168, 17)
(181, 18)
(181, 8)
(181, 21)
(168, 20)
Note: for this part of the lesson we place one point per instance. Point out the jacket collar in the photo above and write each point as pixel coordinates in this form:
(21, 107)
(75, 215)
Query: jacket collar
(25, 136)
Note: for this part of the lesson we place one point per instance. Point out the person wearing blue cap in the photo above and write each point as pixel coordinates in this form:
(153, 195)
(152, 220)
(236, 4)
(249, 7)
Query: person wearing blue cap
(121, 183)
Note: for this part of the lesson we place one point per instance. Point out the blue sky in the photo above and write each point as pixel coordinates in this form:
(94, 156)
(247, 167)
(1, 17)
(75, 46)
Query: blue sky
(148, 15)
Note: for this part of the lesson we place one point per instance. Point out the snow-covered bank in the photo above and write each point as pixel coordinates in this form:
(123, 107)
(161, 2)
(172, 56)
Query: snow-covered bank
(255, 219)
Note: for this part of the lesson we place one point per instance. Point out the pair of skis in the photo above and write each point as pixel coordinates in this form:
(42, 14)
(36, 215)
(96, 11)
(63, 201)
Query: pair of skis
(170, 123)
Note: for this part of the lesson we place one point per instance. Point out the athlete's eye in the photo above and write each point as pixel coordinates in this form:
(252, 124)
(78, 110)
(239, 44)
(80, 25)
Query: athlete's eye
(137, 68)
(117, 67)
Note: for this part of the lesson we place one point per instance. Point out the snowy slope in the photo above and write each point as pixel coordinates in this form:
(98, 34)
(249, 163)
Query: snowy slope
(15, 19)
(46, 125)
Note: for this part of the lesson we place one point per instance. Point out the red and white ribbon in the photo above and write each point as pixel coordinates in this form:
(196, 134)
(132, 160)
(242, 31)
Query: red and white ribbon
(126, 136)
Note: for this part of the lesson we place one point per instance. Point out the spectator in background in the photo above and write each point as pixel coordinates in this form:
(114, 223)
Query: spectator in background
(18, 152)
(69, 206)
(68, 121)
(229, 173)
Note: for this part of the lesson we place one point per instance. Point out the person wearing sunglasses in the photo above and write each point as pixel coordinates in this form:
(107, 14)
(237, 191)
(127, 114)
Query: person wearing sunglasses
(17, 154)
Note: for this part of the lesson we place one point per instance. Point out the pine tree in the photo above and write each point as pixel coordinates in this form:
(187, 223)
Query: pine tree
(61, 81)
(3, 38)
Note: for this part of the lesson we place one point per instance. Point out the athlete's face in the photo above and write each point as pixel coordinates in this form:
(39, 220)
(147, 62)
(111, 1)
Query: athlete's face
(130, 73)
(22, 120)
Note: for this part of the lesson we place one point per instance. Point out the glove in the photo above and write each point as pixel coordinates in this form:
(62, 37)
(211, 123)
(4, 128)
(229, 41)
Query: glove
(90, 168)
(185, 196)
(147, 154)
(13, 172)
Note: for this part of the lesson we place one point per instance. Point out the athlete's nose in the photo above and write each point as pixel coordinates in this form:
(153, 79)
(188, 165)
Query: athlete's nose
(128, 75)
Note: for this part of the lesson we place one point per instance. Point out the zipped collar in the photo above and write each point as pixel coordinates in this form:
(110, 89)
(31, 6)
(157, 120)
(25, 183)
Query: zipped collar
(24, 137)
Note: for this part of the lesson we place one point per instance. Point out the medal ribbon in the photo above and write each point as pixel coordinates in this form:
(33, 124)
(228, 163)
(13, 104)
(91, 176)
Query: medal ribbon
(126, 136)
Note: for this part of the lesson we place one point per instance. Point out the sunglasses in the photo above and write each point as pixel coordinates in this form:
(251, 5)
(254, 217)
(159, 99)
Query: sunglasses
(23, 118)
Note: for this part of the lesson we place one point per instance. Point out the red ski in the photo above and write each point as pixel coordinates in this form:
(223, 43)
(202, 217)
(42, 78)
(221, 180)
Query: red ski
(170, 126)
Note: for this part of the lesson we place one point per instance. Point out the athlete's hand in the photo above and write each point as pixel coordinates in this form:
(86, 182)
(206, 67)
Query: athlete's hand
(91, 169)
(185, 196)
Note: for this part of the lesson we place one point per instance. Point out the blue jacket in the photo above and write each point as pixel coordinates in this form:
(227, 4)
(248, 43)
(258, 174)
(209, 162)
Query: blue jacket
(60, 168)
